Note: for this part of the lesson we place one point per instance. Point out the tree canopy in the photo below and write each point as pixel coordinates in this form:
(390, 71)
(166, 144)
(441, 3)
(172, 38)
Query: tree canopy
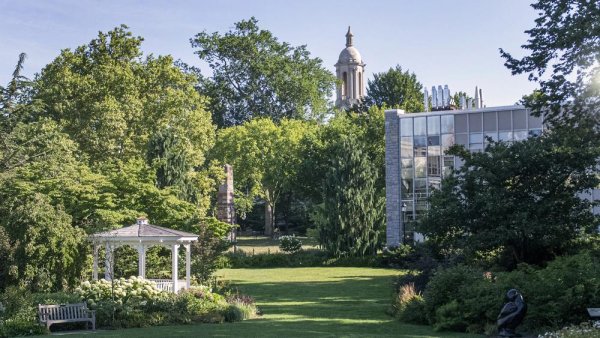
(256, 75)
(395, 89)
(265, 157)
(564, 57)
(350, 219)
(111, 100)
(517, 203)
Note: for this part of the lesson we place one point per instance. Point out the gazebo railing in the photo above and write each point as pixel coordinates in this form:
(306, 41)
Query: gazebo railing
(163, 284)
(167, 284)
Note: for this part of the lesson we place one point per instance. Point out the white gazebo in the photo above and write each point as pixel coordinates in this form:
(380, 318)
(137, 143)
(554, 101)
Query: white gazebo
(142, 236)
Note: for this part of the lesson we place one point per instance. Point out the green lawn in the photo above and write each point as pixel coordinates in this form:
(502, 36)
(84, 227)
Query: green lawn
(301, 302)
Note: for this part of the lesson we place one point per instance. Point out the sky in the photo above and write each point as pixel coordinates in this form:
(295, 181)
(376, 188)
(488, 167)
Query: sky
(443, 42)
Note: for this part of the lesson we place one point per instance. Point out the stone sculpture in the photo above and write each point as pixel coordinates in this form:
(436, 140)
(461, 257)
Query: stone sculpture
(512, 314)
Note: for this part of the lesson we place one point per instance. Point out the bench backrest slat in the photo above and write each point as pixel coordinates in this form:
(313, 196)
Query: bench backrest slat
(63, 312)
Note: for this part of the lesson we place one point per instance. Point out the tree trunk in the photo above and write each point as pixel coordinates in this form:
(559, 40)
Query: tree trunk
(269, 219)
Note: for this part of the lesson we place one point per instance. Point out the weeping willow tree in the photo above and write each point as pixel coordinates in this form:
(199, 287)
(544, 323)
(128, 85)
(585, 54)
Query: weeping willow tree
(350, 219)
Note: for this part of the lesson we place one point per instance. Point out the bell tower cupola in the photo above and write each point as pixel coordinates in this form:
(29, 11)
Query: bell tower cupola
(350, 74)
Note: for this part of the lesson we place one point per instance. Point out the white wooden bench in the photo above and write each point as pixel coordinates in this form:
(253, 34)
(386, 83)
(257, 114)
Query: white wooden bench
(66, 313)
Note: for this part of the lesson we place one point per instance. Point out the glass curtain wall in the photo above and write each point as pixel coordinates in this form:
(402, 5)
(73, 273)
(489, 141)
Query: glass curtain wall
(424, 141)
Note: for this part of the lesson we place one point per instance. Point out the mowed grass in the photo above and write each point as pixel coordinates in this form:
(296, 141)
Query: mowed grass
(262, 244)
(305, 302)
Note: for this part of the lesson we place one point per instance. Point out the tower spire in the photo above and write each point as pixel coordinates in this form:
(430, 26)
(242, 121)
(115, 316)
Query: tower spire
(349, 38)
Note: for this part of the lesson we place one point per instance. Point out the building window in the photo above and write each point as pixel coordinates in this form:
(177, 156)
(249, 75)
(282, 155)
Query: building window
(447, 124)
(433, 140)
(447, 141)
(433, 125)
(520, 135)
(460, 123)
(420, 126)
(406, 127)
(476, 138)
(420, 144)
(435, 183)
(406, 147)
(489, 121)
(434, 151)
(475, 122)
(505, 136)
(421, 189)
(462, 139)
(504, 120)
(520, 119)
(434, 167)
(420, 166)
(407, 188)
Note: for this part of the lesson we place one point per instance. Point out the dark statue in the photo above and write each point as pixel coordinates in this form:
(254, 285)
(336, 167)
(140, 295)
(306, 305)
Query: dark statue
(512, 314)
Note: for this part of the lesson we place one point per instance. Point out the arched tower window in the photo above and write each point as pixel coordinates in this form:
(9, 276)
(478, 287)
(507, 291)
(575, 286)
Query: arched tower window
(344, 85)
(360, 84)
(355, 84)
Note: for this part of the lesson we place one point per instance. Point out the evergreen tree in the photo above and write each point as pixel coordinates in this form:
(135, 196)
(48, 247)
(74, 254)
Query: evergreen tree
(350, 219)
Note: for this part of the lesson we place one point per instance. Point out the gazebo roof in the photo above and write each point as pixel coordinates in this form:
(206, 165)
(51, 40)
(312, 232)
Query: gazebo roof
(142, 231)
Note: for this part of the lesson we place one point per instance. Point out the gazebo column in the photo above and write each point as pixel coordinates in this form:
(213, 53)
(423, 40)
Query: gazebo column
(175, 272)
(109, 269)
(95, 271)
(142, 260)
(188, 262)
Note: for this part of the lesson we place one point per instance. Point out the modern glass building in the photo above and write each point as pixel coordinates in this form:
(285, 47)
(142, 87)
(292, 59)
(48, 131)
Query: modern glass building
(415, 147)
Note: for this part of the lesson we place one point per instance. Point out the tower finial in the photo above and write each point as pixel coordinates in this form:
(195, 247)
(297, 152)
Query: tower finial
(349, 38)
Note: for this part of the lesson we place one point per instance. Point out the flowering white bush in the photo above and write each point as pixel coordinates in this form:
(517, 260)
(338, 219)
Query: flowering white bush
(575, 331)
(133, 288)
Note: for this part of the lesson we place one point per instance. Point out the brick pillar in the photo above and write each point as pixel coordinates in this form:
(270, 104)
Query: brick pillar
(392, 178)
(225, 208)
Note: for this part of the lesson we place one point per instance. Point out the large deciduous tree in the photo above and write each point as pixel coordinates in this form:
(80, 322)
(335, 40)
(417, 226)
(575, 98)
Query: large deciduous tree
(395, 89)
(517, 203)
(265, 157)
(564, 58)
(256, 75)
(111, 100)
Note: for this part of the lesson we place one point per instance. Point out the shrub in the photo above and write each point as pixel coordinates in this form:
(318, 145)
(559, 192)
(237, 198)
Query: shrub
(583, 330)
(449, 317)
(445, 286)
(208, 251)
(121, 291)
(303, 258)
(467, 299)
(246, 307)
(18, 316)
(290, 244)
(409, 306)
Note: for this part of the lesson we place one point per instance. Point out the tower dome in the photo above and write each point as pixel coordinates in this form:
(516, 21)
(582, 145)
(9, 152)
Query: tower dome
(349, 71)
(349, 54)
